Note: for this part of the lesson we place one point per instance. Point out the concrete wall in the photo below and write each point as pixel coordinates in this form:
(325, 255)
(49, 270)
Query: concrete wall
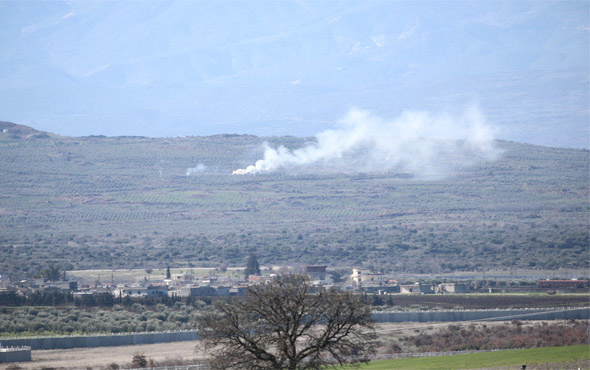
(84, 341)
(491, 315)
(19, 354)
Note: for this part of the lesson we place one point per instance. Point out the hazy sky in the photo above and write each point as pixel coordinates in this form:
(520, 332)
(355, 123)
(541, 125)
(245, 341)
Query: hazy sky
(176, 68)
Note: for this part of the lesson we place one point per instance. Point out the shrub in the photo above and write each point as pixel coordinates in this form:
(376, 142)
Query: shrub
(139, 360)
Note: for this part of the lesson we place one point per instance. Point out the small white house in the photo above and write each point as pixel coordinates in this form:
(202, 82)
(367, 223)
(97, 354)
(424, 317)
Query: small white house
(363, 278)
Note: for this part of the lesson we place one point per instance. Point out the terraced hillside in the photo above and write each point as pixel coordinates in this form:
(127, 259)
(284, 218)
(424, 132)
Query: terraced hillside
(113, 202)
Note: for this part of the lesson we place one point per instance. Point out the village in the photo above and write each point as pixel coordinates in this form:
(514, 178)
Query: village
(219, 284)
(235, 282)
(61, 310)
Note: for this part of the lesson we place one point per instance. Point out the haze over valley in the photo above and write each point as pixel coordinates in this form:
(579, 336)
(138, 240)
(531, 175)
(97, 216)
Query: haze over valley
(182, 68)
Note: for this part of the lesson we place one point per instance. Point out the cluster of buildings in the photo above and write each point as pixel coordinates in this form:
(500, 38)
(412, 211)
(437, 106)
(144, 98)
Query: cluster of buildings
(185, 285)
(39, 285)
(189, 285)
(378, 283)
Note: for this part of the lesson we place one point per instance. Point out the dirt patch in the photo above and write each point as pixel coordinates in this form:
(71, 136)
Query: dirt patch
(391, 336)
(101, 357)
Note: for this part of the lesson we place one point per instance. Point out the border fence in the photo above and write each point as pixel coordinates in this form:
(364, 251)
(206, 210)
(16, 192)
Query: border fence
(125, 339)
(15, 354)
(560, 313)
(100, 340)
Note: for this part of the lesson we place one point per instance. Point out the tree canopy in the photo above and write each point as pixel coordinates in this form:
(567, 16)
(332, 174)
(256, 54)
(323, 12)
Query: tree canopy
(51, 273)
(252, 266)
(285, 325)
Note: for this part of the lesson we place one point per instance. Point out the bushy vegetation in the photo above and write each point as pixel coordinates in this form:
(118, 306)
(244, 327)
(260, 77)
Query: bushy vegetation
(105, 299)
(127, 202)
(117, 319)
(508, 336)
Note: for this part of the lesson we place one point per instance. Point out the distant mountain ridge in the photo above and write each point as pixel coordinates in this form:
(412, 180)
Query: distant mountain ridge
(180, 68)
(16, 131)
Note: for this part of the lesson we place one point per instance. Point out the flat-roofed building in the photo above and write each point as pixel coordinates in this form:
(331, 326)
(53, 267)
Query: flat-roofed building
(316, 272)
(418, 288)
(453, 288)
(363, 278)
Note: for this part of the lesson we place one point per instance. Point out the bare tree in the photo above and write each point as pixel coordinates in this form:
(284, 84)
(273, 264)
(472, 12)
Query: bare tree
(284, 325)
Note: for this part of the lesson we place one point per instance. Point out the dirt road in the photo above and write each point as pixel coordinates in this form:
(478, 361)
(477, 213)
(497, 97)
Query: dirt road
(101, 357)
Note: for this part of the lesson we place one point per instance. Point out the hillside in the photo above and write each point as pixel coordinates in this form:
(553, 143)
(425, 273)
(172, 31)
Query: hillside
(14, 131)
(123, 202)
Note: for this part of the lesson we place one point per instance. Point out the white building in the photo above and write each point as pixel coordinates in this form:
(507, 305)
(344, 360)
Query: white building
(151, 291)
(364, 278)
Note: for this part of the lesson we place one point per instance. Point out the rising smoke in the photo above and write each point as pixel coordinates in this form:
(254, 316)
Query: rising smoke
(195, 170)
(415, 142)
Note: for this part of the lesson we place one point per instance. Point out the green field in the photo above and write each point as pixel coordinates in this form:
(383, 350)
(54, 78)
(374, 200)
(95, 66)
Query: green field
(481, 360)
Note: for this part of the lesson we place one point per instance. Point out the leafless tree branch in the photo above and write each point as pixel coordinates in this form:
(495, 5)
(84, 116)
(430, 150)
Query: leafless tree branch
(284, 325)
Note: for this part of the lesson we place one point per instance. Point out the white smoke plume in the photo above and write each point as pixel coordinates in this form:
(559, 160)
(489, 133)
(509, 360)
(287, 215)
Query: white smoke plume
(195, 170)
(416, 142)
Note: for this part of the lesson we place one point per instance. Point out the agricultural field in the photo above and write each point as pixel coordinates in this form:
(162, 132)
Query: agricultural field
(569, 357)
(100, 358)
(137, 203)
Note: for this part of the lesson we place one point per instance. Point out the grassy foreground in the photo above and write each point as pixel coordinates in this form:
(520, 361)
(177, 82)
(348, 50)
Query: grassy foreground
(488, 359)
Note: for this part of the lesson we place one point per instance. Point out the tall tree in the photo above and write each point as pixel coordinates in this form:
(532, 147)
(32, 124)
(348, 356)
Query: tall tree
(252, 266)
(284, 325)
(51, 273)
(168, 272)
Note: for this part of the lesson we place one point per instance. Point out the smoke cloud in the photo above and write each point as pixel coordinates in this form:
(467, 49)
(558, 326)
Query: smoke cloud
(415, 142)
(195, 170)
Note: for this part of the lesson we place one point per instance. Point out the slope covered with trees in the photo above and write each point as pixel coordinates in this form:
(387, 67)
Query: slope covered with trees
(122, 202)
